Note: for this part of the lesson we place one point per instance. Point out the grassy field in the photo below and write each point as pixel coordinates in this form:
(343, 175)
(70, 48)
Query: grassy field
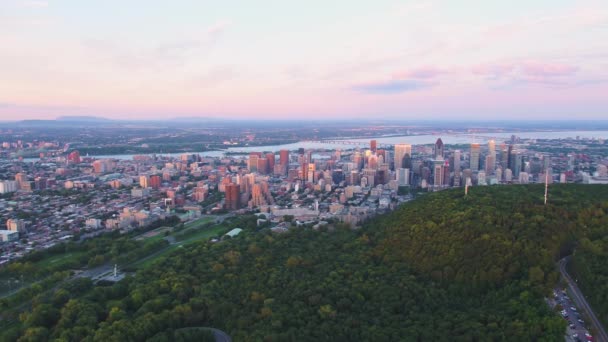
(155, 234)
(203, 234)
(198, 223)
(59, 259)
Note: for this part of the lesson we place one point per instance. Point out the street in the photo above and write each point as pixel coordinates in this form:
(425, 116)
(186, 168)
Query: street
(581, 302)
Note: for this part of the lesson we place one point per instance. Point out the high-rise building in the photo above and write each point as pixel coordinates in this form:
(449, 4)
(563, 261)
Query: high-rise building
(456, 164)
(155, 181)
(21, 179)
(474, 157)
(438, 150)
(373, 145)
(284, 159)
(8, 186)
(262, 166)
(257, 196)
(490, 164)
(232, 200)
(311, 175)
(403, 177)
(515, 162)
(144, 181)
(492, 147)
(438, 172)
(271, 161)
(401, 150)
(15, 225)
(253, 161)
(372, 162)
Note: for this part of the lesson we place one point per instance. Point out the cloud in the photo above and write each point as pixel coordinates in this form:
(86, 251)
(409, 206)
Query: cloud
(35, 4)
(421, 73)
(392, 86)
(538, 69)
(218, 28)
(515, 73)
(493, 71)
(168, 53)
(214, 77)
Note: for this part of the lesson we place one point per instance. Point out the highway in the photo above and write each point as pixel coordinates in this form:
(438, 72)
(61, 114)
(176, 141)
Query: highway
(581, 302)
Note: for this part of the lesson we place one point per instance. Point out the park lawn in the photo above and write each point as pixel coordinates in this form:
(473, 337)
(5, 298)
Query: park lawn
(203, 234)
(161, 234)
(59, 259)
(198, 223)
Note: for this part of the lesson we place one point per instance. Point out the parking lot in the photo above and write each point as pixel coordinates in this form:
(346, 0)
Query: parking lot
(577, 328)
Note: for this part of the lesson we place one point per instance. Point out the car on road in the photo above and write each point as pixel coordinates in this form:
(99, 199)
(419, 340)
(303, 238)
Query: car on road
(572, 326)
(588, 336)
(573, 308)
(581, 321)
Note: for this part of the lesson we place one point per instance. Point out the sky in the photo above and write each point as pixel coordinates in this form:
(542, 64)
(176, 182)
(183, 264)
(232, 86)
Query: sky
(317, 59)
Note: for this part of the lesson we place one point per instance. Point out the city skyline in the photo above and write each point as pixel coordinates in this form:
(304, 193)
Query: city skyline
(344, 60)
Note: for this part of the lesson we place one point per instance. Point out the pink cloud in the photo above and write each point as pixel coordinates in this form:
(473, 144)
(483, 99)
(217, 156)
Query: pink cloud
(493, 70)
(528, 69)
(540, 69)
(420, 73)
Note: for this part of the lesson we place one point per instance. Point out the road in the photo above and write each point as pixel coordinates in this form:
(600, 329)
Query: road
(219, 335)
(581, 302)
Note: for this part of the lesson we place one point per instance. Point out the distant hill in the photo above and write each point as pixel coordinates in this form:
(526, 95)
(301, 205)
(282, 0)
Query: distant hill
(83, 119)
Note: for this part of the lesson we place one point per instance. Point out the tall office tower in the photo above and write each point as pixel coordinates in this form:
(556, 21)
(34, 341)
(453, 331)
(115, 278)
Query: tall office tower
(271, 161)
(284, 159)
(456, 180)
(490, 164)
(155, 182)
(353, 178)
(446, 173)
(403, 177)
(232, 196)
(474, 157)
(263, 166)
(371, 176)
(253, 161)
(257, 195)
(492, 147)
(504, 157)
(144, 181)
(509, 155)
(382, 176)
(481, 178)
(372, 162)
(310, 175)
(515, 162)
(456, 165)
(373, 145)
(400, 151)
(358, 160)
(438, 172)
(21, 179)
(438, 148)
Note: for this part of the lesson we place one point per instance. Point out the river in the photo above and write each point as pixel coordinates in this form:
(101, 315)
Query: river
(449, 139)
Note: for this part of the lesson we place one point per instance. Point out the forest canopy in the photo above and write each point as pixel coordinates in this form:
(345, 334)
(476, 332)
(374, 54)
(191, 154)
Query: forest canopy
(443, 267)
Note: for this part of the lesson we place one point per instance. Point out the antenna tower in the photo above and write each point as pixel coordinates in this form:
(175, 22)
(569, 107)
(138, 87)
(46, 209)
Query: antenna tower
(546, 184)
